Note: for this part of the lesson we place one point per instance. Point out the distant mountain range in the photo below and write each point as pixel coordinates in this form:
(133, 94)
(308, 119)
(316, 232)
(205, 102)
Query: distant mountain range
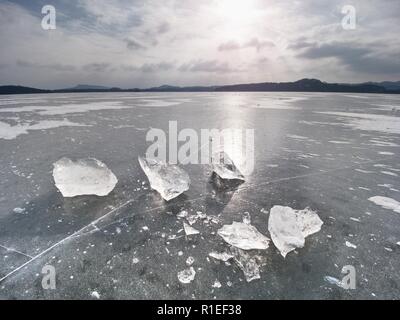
(83, 87)
(304, 85)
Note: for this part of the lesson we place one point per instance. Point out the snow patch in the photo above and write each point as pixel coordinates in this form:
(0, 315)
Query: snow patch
(387, 203)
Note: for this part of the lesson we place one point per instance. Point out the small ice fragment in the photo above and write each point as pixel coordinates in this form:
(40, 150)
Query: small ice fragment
(201, 215)
(190, 230)
(246, 218)
(18, 210)
(180, 253)
(334, 281)
(192, 219)
(182, 214)
(224, 167)
(221, 256)
(217, 284)
(355, 219)
(398, 243)
(186, 276)
(135, 260)
(350, 245)
(387, 203)
(243, 236)
(289, 227)
(95, 295)
(83, 177)
(189, 261)
(168, 180)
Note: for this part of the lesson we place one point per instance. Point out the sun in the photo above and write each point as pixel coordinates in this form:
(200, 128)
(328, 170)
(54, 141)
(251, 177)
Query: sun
(238, 10)
(236, 15)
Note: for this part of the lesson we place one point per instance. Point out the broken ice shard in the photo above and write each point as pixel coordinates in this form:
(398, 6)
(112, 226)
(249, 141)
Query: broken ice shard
(248, 263)
(83, 177)
(190, 230)
(334, 281)
(221, 256)
(168, 180)
(289, 228)
(187, 275)
(243, 236)
(224, 167)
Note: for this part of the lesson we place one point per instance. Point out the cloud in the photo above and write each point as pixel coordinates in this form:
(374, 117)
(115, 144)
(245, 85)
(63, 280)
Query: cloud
(207, 66)
(163, 27)
(133, 44)
(156, 67)
(96, 67)
(298, 38)
(54, 66)
(229, 45)
(253, 43)
(257, 44)
(358, 58)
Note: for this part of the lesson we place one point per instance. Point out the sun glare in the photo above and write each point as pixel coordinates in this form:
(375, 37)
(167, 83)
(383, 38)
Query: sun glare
(235, 9)
(236, 14)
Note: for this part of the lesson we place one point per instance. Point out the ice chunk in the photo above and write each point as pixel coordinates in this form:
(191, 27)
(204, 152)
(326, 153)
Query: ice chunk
(246, 218)
(350, 245)
(217, 284)
(221, 256)
(19, 210)
(83, 177)
(182, 214)
(243, 236)
(387, 203)
(249, 264)
(189, 261)
(289, 228)
(95, 295)
(192, 219)
(224, 167)
(334, 281)
(190, 230)
(187, 275)
(168, 180)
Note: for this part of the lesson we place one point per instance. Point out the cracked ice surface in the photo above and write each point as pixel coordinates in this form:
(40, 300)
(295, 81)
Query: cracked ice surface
(168, 180)
(83, 177)
(224, 167)
(243, 236)
(289, 228)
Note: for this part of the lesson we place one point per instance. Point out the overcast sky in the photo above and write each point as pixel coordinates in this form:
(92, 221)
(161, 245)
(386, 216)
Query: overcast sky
(131, 43)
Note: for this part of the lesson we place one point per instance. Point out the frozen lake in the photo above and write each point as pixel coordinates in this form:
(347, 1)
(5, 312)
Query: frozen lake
(330, 152)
